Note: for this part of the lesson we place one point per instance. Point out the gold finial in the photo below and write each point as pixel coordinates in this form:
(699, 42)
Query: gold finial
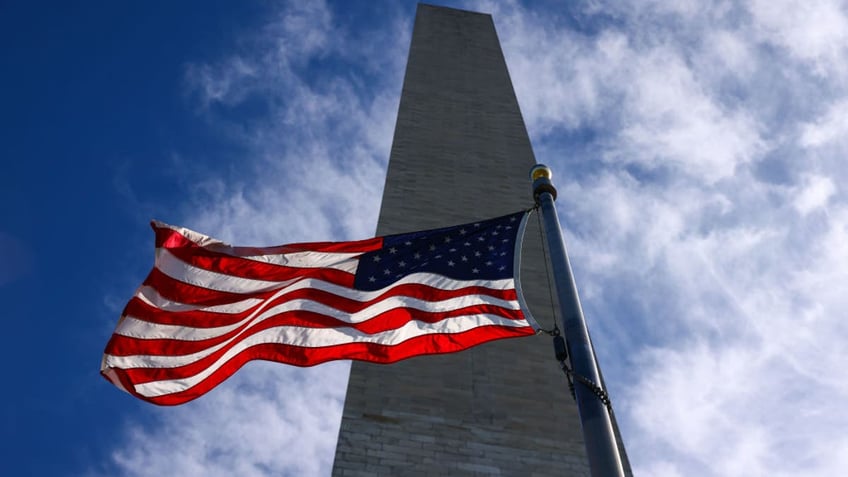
(540, 171)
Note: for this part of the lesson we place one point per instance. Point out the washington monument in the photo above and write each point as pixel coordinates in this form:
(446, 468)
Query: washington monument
(461, 153)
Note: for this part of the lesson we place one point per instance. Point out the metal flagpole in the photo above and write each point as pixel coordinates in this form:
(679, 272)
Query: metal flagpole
(601, 448)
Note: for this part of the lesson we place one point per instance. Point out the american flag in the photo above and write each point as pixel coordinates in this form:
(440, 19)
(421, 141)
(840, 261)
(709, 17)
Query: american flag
(207, 307)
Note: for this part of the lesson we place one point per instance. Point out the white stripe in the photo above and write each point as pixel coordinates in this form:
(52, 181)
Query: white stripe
(135, 328)
(435, 281)
(311, 338)
(139, 328)
(345, 262)
(152, 297)
(305, 339)
(175, 268)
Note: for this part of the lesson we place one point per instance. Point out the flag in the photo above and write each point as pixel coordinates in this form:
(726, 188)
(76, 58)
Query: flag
(207, 307)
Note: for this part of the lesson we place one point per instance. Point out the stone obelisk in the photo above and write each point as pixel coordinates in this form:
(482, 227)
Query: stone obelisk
(461, 153)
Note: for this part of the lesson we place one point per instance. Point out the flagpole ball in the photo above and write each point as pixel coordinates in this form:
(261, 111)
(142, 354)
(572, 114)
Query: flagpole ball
(541, 175)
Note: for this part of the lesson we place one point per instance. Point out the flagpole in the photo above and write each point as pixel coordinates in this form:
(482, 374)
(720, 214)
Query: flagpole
(595, 419)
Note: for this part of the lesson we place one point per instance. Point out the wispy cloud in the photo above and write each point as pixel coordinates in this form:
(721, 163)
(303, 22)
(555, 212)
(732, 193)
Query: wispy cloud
(270, 420)
(815, 33)
(706, 219)
(316, 128)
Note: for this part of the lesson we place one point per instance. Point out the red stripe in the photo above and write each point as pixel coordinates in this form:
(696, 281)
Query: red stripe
(299, 356)
(137, 308)
(189, 294)
(231, 261)
(166, 237)
(186, 293)
(236, 266)
(120, 345)
(178, 348)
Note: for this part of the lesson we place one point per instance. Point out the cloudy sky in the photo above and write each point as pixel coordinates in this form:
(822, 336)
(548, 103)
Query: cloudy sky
(698, 148)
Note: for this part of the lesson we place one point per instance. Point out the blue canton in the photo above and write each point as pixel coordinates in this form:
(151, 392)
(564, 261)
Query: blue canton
(476, 251)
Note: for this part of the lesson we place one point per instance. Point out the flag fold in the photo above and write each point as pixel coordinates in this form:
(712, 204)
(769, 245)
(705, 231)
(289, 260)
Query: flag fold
(207, 307)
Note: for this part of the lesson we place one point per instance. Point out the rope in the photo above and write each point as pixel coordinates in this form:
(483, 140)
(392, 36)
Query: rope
(596, 390)
(547, 269)
(561, 352)
(560, 347)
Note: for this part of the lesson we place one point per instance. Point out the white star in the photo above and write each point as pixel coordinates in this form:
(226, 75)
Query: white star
(432, 248)
(372, 279)
(502, 268)
(491, 247)
(376, 258)
(462, 232)
(475, 270)
(467, 244)
(450, 263)
(464, 258)
(407, 243)
(402, 264)
(387, 272)
(477, 254)
(393, 250)
(489, 263)
(447, 239)
(416, 255)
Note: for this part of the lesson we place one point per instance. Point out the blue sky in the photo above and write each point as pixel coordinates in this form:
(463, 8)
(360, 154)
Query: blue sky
(699, 149)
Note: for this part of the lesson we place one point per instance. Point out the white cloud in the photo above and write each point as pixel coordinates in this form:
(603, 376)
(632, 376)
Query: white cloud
(318, 154)
(664, 116)
(815, 194)
(730, 50)
(832, 127)
(713, 290)
(814, 32)
(267, 420)
(671, 119)
(222, 88)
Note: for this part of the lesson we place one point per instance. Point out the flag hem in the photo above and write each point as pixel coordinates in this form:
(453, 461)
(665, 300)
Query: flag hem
(516, 270)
